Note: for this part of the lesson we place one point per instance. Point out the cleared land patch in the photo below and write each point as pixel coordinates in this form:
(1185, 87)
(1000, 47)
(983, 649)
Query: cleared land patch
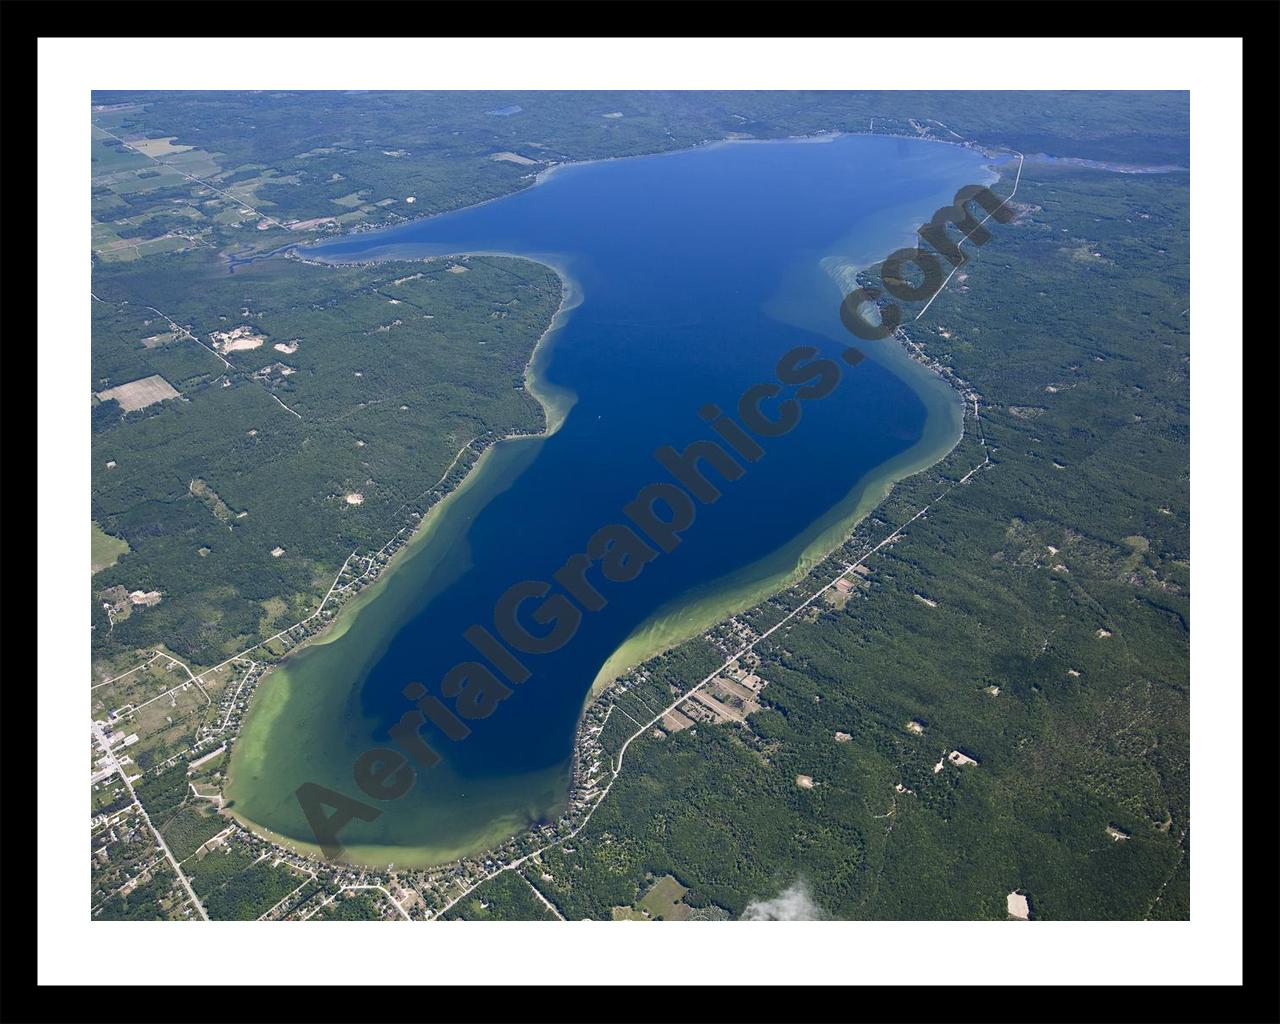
(158, 147)
(664, 901)
(242, 339)
(138, 394)
(105, 550)
(353, 199)
(512, 158)
(210, 497)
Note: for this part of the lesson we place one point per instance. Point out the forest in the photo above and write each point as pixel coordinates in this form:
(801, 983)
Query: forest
(364, 385)
(445, 149)
(1054, 652)
(1036, 621)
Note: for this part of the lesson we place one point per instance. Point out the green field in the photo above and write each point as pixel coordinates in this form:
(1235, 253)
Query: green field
(105, 550)
(664, 900)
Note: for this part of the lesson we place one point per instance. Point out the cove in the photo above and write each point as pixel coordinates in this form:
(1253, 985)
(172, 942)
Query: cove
(687, 276)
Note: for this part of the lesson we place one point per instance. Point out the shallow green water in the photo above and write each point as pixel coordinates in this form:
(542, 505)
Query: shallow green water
(696, 272)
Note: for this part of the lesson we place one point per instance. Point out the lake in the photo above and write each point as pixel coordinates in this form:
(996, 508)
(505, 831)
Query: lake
(688, 275)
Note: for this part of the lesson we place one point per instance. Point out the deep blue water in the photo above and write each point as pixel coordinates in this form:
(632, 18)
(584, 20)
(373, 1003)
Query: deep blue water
(686, 265)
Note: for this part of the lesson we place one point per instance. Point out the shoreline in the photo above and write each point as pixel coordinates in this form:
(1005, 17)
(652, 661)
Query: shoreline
(555, 407)
(555, 402)
(718, 600)
(701, 608)
(712, 603)
(295, 248)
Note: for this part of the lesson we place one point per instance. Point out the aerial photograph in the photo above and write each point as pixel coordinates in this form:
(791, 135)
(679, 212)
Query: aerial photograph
(638, 506)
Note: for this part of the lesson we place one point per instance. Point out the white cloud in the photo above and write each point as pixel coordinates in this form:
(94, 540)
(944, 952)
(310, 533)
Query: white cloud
(792, 904)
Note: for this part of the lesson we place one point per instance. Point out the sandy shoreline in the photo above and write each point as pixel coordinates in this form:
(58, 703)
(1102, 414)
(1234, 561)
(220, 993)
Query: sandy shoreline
(684, 618)
(547, 172)
(556, 403)
(679, 621)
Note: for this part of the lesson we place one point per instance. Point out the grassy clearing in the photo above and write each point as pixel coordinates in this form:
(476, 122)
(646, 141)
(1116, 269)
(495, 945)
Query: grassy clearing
(104, 550)
(664, 900)
(158, 147)
(138, 394)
